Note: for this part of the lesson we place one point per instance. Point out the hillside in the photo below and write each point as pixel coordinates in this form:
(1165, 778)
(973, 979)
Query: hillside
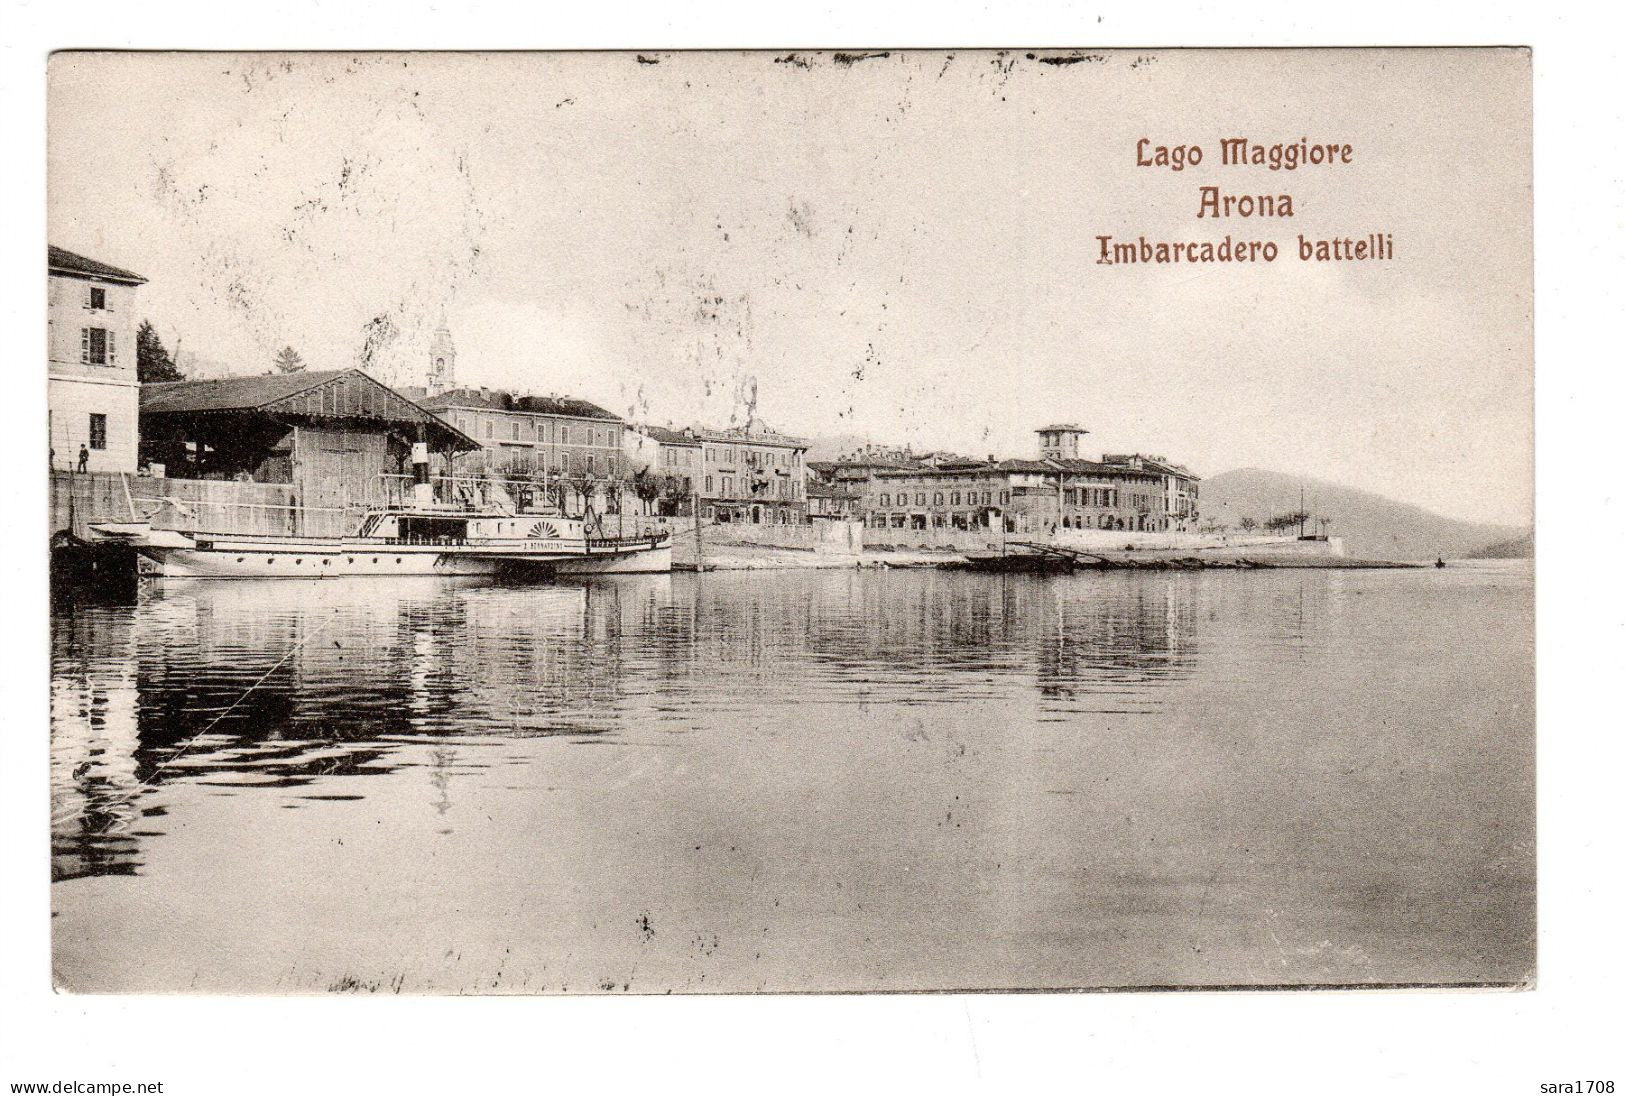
(1372, 527)
(1517, 548)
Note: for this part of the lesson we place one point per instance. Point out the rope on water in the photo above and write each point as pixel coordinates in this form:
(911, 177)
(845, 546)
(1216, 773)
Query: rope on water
(129, 795)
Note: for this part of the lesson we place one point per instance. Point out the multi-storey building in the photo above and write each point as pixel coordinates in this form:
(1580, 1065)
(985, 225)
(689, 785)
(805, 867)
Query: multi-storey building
(838, 489)
(965, 496)
(670, 460)
(526, 437)
(1120, 491)
(753, 474)
(1181, 495)
(93, 391)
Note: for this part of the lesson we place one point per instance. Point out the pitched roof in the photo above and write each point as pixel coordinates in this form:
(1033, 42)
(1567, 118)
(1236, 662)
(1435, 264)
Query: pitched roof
(1017, 465)
(1139, 462)
(741, 436)
(1078, 466)
(934, 471)
(229, 393)
(1122, 465)
(884, 463)
(66, 262)
(339, 393)
(667, 436)
(496, 399)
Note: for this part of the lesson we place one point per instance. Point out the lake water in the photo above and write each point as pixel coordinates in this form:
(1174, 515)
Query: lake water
(797, 780)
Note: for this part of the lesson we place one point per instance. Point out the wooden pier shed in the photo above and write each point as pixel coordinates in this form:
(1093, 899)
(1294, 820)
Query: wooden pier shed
(341, 439)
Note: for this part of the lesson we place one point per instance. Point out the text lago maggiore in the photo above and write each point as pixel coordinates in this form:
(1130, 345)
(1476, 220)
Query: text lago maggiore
(1212, 202)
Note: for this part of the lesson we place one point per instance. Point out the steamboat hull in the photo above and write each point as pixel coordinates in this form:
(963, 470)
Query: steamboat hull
(338, 559)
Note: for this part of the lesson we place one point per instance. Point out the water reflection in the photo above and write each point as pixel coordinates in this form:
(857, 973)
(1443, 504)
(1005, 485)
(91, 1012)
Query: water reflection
(817, 779)
(264, 687)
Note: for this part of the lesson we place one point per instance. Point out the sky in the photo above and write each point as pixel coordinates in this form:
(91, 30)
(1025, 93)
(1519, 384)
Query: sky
(898, 247)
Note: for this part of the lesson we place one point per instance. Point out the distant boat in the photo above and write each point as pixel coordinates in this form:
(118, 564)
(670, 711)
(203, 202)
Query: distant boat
(1440, 563)
(1017, 562)
(404, 541)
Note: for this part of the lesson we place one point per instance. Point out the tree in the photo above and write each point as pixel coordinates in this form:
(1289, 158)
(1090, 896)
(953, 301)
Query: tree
(289, 361)
(1247, 524)
(579, 484)
(152, 361)
(646, 485)
(676, 494)
(1280, 523)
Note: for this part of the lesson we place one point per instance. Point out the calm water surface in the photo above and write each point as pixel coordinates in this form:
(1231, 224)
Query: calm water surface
(797, 780)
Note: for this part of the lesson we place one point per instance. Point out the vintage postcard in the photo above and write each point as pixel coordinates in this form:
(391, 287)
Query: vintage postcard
(791, 521)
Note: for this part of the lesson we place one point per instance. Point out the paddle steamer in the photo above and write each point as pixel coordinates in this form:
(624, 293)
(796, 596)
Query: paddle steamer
(402, 541)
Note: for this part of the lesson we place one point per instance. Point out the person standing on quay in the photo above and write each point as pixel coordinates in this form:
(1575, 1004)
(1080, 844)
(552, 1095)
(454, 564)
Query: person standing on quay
(84, 458)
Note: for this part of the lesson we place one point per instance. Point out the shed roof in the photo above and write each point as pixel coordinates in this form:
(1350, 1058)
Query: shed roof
(62, 261)
(334, 394)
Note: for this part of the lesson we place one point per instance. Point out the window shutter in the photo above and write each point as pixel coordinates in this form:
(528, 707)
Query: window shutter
(112, 355)
(84, 345)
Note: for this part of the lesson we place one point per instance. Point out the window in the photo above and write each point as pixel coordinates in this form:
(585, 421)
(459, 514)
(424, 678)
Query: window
(96, 346)
(708, 491)
(490, 427)
(919, 498)
(564, 435)
(956, 498)
(564, 462)
(98, 431)
(98, 298)
(936, 499)
(590, 467)
(885, 499)
(515, 430)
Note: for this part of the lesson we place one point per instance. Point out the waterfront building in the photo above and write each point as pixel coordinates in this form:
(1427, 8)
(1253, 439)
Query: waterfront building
(92, 389)
(838, 489)
(1021, 496)
(523, 437)
(1062, 490)
(341, 438)
(1128, 491)
(752, 474)
(973, 495)
(671, 459)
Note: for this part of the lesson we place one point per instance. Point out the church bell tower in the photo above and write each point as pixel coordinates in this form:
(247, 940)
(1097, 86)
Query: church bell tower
(442, 360)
